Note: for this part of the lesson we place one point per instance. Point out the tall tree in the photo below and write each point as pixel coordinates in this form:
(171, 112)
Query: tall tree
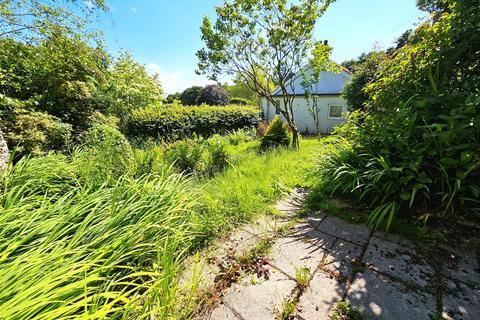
(131, 87)
(27, 19)
(262, 41)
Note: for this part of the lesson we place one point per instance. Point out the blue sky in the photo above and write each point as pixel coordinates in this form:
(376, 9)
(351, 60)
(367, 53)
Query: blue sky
(165, 34)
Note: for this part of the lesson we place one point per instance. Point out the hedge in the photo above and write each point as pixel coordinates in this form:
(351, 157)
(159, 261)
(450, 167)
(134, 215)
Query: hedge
(177, 122)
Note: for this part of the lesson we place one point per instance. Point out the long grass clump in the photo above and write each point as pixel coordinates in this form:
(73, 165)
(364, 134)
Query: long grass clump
(69, 249)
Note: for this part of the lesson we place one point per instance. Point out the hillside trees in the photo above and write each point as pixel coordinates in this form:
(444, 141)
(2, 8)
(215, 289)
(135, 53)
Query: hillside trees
(261, 40)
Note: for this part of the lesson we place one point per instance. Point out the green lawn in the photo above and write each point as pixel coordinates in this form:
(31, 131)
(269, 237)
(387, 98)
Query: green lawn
(253, 182)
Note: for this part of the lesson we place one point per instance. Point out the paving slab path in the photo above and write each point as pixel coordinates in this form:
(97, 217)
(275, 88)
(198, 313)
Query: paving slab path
(383, 276)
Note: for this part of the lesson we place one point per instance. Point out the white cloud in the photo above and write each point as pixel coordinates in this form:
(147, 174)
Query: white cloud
(177, 80)
(133, 9)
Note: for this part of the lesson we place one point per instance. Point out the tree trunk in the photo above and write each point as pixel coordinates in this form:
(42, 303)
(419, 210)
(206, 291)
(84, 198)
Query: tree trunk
(319, 134)
(295, 138)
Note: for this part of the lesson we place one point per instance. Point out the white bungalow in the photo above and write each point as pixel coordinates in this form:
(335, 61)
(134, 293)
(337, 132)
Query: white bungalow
(331, 107)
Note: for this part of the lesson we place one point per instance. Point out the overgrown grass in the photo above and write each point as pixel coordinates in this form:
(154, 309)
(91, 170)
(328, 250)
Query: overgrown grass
(80, 240)
(252, 183)
(102, 252)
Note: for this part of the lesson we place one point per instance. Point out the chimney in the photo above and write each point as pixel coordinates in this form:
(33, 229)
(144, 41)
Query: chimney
(325, 42)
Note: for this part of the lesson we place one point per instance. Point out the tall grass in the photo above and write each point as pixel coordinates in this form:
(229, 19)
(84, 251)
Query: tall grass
(72, 247)
(97, 252)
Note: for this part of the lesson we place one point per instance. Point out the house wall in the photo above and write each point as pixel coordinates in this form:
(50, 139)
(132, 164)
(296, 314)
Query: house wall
(303, 118)
(329, 83)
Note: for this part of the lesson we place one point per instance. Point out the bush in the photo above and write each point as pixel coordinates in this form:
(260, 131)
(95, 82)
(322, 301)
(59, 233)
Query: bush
(190, 95)
(240, 102)
(213, 95)
(31, 132)
(217, 155)
(276, 135)
(242, 135)
(109, 154)
(173, 123)
(414, 151)
(199, 156)
(355, 91)
(186, 155)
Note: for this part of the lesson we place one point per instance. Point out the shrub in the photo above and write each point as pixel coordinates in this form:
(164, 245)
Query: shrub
(186, 155)
(172, 123)
(31, 132)
(415, 149)
(109, 154)
(213, 95)
(240, 102)
(190, 95)
(217, 155)
(276, 135)
(355, 91)
(242, 135)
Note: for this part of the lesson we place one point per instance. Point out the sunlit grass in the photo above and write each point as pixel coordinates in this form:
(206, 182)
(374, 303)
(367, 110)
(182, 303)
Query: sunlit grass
(73, 249)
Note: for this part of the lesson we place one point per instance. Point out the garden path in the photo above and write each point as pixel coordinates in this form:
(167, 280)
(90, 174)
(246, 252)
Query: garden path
(382, 275)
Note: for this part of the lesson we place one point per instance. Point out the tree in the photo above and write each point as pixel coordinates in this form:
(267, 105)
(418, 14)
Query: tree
(172, 97)
(60, 75)
(213, 95)
(240, 89)
(319, 63)
(189, 96)
(366, 72)
(31, 19)
(131, 87)
(261, 40)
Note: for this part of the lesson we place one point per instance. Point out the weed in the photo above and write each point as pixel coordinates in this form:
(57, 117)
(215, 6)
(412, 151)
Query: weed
(302, 276)
(343, 311)
(261, 249)
(288, 310)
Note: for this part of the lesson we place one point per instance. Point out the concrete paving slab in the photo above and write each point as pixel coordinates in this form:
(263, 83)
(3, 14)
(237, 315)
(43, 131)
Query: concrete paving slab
(293, 203)
(262, 300)
(319, 299)
(306, 251)
(222, 312)
(461, 301)
(264, 226)
(238, 242)
(357, 234)
(377, 297)
(463, 266)
(394, 238)
(340, 256)
(398, 261)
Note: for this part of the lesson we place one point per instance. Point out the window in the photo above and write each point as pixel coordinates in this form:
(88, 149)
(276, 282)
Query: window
(335, 112)
(276, 110)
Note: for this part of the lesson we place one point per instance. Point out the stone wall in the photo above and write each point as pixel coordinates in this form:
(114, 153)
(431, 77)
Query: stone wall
(3, 153)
